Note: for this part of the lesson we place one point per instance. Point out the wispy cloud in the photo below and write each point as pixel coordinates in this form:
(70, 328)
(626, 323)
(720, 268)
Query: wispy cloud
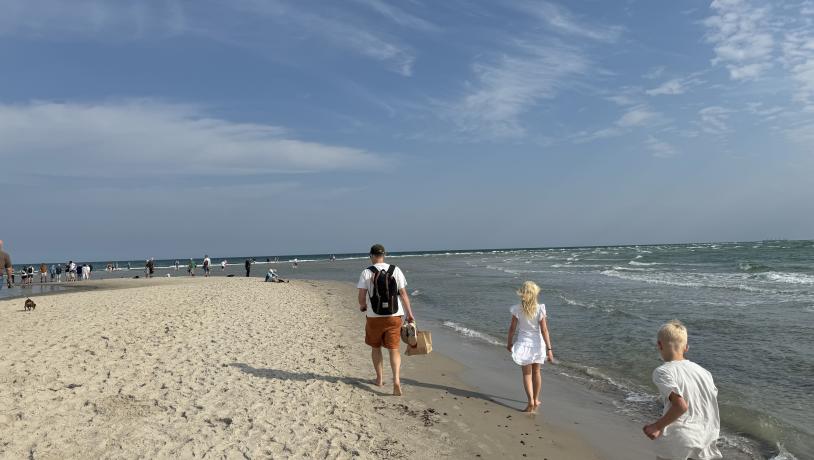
(634, 117)
(654, 73)
(237, 22)
(398, 15)
(714, 119)
(674, 86)
(640, 115)
(151, 138)
(798, 58)
(511, 84)
(564, 22)
(659, 148)
(89, 18)
(741, 37)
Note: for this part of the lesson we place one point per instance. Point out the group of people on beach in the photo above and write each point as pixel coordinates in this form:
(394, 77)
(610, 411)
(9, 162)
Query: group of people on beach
(47, 274)
(689, 426)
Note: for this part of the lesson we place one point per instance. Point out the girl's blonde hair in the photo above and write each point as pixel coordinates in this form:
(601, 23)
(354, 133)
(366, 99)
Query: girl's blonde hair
(528, 293)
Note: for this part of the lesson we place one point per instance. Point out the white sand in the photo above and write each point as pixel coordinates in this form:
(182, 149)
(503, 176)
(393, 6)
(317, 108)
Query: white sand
(227, 368)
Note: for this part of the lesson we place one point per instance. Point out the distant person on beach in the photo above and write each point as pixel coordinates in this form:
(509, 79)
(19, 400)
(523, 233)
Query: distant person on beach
(384, 311)
(86, 271)
(533, 345)
(273, 277)
(6, 266)
(177, 265)
(30, 273)
(59, 273)
(296, 263)
(690, 424)
(71, 273)
(191, 266)
(43, 273)
(206, 263)
(223, 264)
(52, 270)
(248, 265)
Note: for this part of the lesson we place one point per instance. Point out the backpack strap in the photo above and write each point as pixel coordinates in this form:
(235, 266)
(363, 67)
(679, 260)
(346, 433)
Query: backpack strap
(391, 270)
(373, 269)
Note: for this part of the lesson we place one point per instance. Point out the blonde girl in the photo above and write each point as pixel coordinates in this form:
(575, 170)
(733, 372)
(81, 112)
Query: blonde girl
(533, 344)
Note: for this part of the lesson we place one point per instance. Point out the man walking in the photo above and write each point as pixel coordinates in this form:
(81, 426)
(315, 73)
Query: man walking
(206, 263)
(5, 266)
(383, 296)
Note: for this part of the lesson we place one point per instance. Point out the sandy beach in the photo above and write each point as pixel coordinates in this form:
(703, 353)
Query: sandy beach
(234, 368)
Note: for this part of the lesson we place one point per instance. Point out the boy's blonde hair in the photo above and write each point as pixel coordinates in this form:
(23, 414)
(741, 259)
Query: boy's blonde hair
(528, 293)
(673, 334)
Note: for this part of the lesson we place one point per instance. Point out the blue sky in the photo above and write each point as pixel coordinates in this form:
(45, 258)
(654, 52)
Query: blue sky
(174, 128)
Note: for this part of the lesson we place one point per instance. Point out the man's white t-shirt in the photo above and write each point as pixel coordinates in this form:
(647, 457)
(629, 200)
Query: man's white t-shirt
(366, 282)
(694, 434)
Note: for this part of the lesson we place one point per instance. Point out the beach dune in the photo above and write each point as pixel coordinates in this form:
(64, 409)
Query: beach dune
(233, 368)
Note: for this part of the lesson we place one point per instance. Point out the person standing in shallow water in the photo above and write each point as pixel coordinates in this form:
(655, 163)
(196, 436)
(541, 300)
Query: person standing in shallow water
(248, 265)
(533, 345)
(383, 329)
(6, 266)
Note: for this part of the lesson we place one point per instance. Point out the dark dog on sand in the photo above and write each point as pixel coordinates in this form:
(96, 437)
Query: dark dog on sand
(30, 305)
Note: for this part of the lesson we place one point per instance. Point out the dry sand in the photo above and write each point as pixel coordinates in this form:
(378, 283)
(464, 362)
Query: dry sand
(234, 368)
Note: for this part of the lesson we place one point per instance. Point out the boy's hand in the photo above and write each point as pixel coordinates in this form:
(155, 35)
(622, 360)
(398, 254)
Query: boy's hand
(651, 431)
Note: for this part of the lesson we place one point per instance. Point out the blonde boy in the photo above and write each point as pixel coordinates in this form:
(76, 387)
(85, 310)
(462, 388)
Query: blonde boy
(690, 424)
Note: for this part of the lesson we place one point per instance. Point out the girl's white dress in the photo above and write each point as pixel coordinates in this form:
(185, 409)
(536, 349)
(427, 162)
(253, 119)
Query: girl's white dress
(529, 346)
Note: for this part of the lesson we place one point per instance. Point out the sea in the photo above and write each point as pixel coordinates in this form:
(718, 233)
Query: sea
(748, 306)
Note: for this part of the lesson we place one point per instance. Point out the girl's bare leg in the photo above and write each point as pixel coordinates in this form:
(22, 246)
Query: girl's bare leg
(537, 382)
(528, 386)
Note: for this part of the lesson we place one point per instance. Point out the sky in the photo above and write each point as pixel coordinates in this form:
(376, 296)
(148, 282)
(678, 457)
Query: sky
(172, 128)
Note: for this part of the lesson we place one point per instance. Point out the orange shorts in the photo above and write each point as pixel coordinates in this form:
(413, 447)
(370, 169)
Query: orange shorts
(383, 331)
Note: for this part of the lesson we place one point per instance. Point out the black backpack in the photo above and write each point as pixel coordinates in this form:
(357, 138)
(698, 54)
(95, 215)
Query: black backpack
(385, 293)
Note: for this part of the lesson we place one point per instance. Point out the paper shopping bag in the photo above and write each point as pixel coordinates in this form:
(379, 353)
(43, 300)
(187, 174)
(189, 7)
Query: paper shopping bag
(423, 345)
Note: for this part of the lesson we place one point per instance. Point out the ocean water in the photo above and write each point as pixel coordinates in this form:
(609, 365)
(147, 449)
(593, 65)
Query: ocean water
(749, 308)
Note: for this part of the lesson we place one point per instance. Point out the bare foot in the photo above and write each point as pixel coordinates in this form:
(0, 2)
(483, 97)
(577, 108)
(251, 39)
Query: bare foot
(378, 382)
(529, 409)
(396, 389)
(537, 403)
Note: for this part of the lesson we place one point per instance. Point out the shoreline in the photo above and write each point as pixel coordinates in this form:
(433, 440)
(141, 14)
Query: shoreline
(187, 366)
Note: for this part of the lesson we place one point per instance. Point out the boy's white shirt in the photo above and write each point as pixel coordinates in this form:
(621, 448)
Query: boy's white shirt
(694, 434)
(366, 282)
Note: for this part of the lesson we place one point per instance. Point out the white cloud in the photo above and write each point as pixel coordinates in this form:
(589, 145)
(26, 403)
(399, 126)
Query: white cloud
(798, 58)
(510, 85)
(742, 38)
(659, 149)
(639, 115)
(563, 21)
(714, 119)
(670, 87)
(149, 138)
(654, 73)
(635, 117)
(237, 22)
(675, 86)
(89, 18)
(398, 15)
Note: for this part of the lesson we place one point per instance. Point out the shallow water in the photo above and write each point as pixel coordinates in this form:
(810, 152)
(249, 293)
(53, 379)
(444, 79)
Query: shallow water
(749, 308)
